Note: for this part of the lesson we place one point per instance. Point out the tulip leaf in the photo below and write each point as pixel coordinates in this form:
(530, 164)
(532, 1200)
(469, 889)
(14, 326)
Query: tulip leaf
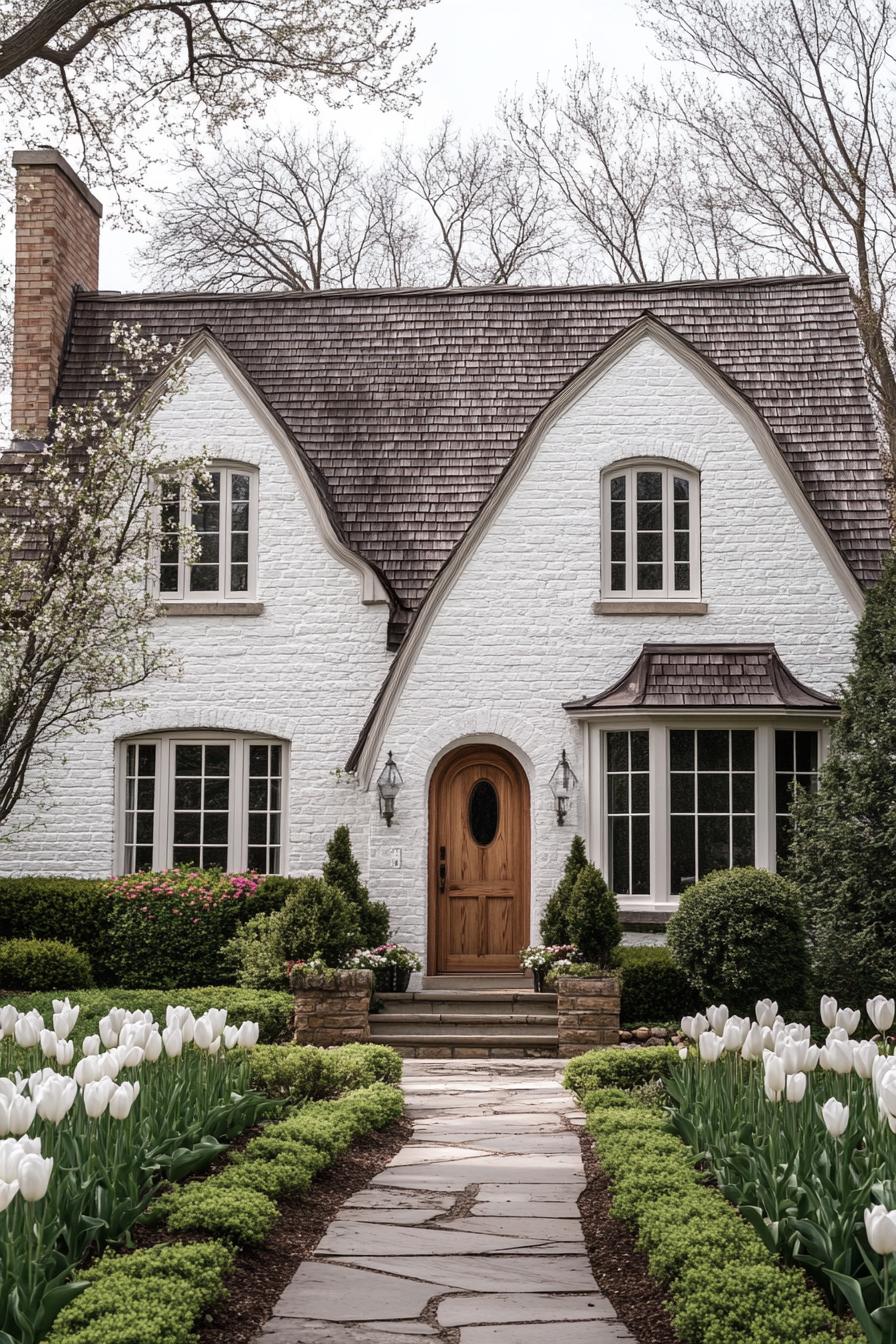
(852, 1291)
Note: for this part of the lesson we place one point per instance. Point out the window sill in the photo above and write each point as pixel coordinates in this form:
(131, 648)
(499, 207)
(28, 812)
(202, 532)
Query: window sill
(212, 608)
(638, 607)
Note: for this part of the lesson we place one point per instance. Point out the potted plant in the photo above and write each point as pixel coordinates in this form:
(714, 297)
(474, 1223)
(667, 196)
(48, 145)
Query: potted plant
(539, 959)
(391, 964)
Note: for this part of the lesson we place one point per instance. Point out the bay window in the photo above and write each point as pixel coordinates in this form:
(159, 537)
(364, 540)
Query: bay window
(213, 800)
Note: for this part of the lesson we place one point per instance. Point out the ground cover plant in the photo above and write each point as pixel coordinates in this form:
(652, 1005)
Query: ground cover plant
(85, 1142)
(802, 1138)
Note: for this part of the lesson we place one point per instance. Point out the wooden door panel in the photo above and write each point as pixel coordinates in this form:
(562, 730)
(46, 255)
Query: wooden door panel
(479, 861)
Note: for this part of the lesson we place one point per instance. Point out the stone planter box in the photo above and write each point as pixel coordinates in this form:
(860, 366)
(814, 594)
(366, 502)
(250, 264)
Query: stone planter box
(331, 1009)
(587, 1014)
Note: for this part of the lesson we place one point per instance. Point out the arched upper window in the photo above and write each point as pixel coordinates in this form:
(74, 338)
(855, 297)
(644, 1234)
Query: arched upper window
(225, 524)
(211, 799)
(651, 532)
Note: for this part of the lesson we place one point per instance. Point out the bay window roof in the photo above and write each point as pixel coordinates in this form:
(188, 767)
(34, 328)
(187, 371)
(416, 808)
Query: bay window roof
(706, 676)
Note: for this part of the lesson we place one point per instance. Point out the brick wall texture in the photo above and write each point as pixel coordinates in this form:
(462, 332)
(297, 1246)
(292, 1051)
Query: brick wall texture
(57, 248)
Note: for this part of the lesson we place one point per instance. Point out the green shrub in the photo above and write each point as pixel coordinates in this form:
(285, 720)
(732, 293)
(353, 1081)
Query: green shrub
(618, 1068)
(715, 1303)
(150, 1297)
(316, 920)
(593, 917)
(654, 989)
(554, 927)
(738, 936)
(303, 1072)
(43, 963)
(342, 870)
(169, 928)
(272, 1011)
(237, 1214)
(254, 955)
(73, 909)
(843, 856)
(272, 1175)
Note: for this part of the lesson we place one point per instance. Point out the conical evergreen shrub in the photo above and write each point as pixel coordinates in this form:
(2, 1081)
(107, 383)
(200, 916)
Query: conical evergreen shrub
(593, 917)
(342, 870)
(844, 847)
(554, 925)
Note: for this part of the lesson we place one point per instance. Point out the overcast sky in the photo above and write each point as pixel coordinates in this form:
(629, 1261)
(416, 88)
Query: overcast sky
(484, 49)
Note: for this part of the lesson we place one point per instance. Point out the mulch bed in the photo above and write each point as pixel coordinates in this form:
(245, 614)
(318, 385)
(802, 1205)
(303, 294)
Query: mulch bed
(261, 1273)
(618, 1266)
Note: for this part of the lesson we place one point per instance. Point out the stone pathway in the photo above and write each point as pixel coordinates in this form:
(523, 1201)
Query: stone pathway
(471, 1235)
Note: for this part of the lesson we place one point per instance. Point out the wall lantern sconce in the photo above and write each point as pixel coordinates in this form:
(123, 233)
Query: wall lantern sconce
(563, 786)
(388, 784)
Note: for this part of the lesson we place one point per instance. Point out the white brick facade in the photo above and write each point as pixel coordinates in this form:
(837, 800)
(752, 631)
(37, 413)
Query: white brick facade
(514, 638)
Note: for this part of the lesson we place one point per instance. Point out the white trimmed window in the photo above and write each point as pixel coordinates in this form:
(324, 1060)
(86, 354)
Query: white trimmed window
(651, 533)
(213, 800)
(225, 523)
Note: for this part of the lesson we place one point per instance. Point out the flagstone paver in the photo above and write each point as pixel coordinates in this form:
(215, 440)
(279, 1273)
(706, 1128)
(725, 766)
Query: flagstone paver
(471, 1235)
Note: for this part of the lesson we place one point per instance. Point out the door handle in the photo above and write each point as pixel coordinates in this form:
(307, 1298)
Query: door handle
(443, 869)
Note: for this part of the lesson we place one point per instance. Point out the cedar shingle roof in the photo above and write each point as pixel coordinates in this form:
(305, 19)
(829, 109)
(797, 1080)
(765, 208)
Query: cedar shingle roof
(704, 676)
(410, 403)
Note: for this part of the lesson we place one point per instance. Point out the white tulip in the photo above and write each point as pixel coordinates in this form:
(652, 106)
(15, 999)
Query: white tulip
(864, 1053)
(131, 1057)
(828, 1010)
(880, 1226)
(122, 1100)
(835, 1116)
(187, 1026)
(55, 1098)
(691, 1026)
(248, 1035)
(65, 1053)
(108, 1034)
(766, 1012)
(710, 1046)
(34, 1176)
(886, 1092)
(215, 1046)
(90, 1045)
(48, 1043)
(775, 1077)
(173, 1042)
(218, 1019)
(153, 1048)
(203, 1034)
(683, 1052)
(27, 1031)
(839, 1055)
(12, 1087)
(64, 1017)
(718, 1016)
(8, 1192)
(754, 1042)
(96, 1096)
(796, 1086)
(837, 1034)
(9, 1016)
(230, 1037)
(849, 1019)
(11, 1153)
(16, 1115)
(881, 1012)
(87, 1070)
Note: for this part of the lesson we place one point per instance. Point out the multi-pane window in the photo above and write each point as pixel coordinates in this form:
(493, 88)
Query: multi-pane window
(220, 563)
(213, 801)
(796, 763)
(264, 807)
(628, 812)
(651, 531)
(139, 805)
(712, 802)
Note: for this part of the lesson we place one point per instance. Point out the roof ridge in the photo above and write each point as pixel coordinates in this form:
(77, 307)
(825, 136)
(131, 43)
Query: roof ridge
(455, 291)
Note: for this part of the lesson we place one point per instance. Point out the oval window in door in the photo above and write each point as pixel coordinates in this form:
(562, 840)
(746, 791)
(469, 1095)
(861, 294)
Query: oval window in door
(483, 811)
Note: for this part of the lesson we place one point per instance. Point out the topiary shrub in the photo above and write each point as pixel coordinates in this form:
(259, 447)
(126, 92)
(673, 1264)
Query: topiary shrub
(43, 963)
(71, 909)
(738, 936)
(342, 870)
(554, 926)
(593, 917)
(654, 988)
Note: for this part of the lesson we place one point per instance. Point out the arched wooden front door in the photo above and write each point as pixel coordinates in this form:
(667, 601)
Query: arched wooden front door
(478, 862)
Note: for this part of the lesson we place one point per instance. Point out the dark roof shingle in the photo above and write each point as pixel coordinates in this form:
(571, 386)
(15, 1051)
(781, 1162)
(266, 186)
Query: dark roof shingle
(411, 403)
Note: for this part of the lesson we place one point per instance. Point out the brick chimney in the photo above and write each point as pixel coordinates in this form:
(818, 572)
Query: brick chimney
(57, 249)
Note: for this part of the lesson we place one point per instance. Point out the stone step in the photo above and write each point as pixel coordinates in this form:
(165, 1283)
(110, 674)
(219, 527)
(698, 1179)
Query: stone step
(465, 1000)
(486, 980)
(505, 1025)
(414, 1045)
